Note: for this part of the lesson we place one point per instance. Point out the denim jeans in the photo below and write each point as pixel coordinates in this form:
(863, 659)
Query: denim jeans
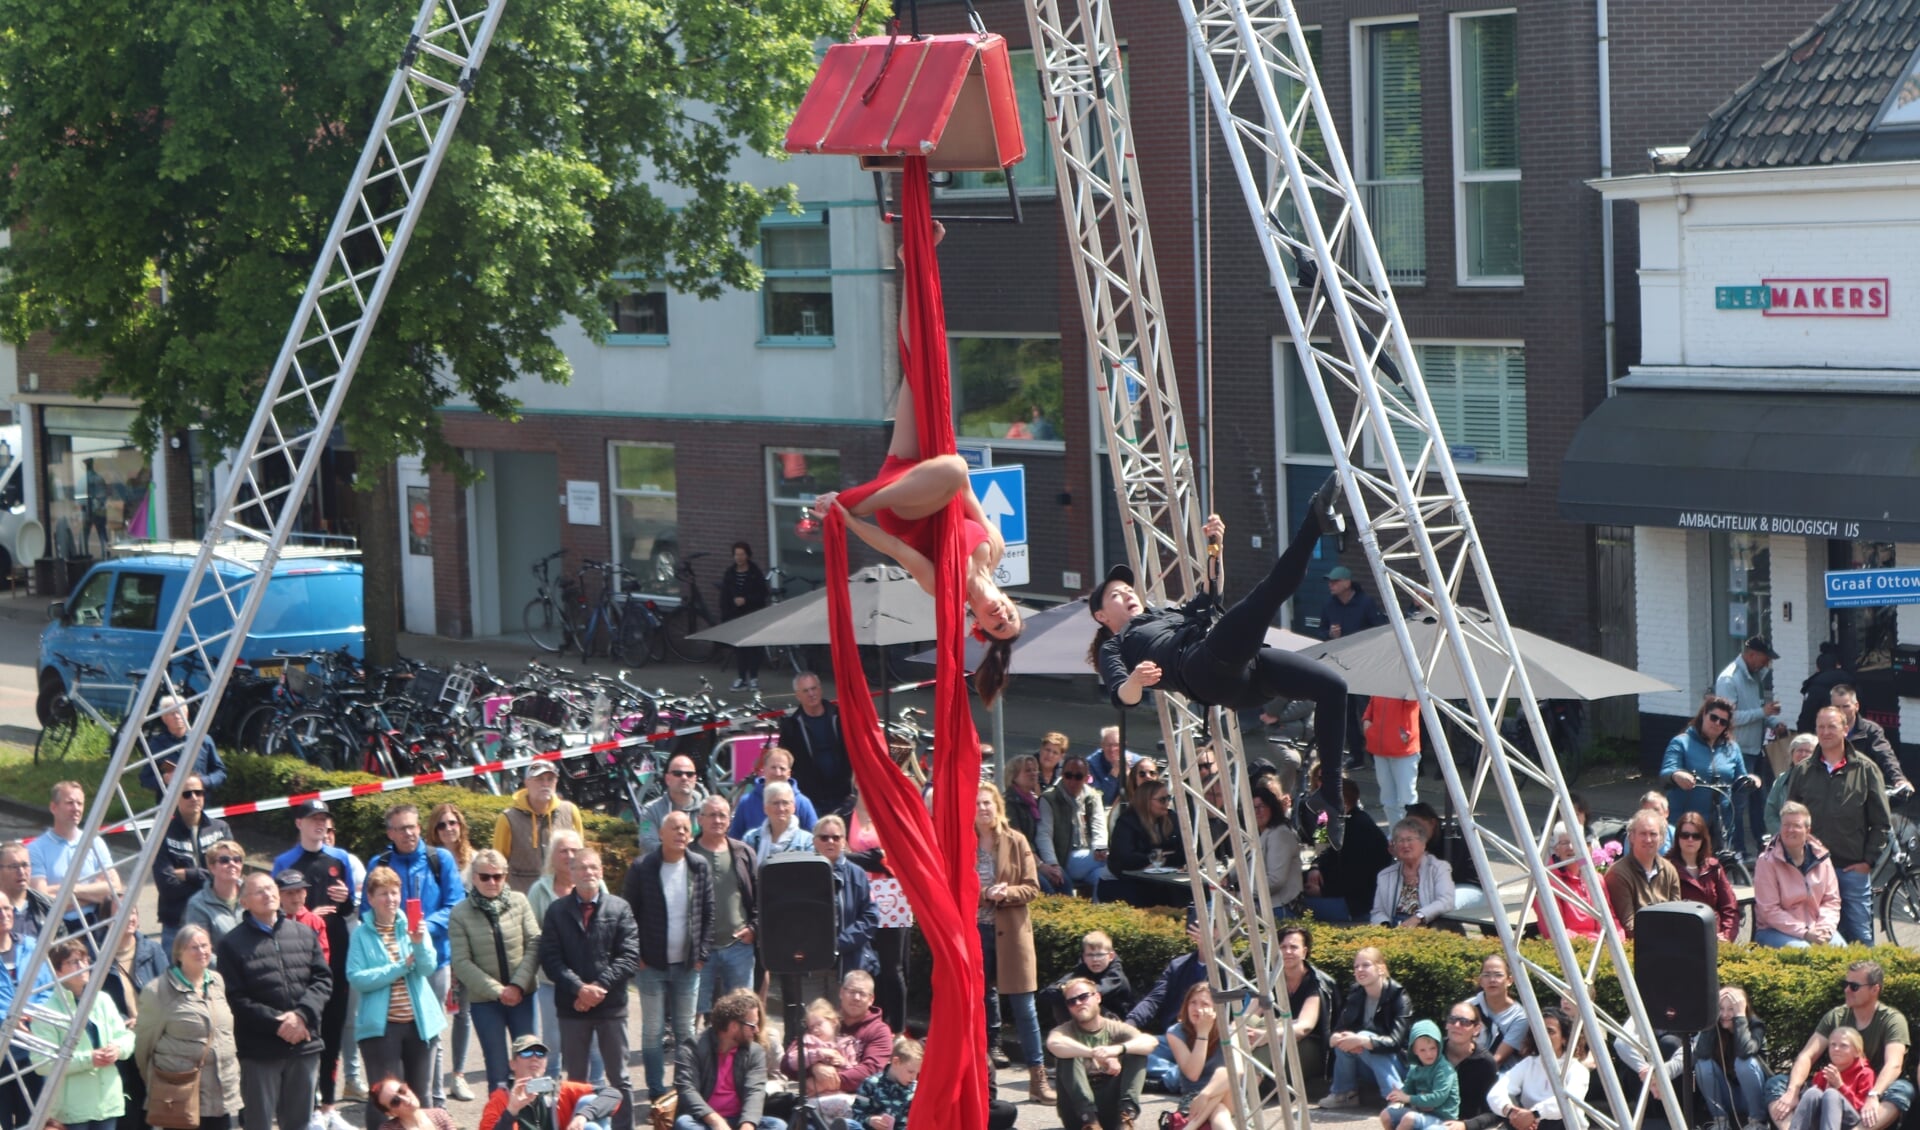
(1396, 776)
(1024, 1013)
(1856, 906)
(442, 981)
(550, 1032)
(1898, 1095)
(1743, 1097)
(689, 1122)
(1421, 1119)
(729, 967)
(1082, 867)
(1387, 1069)
(1161, 1069)
(498, 1025)
(1768, 936)
(459, 1032)
(665, 992)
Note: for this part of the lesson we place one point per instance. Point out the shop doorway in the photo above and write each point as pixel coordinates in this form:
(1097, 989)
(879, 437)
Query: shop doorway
(1865, 636)
(516, 521)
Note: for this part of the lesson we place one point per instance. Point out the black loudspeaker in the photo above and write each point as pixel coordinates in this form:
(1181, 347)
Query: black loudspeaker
(799, 915)
(1676, 960)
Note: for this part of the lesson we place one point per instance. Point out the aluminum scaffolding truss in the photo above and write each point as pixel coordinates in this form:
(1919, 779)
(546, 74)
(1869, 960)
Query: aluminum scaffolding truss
(1399, 480)
(1078, 59)
(272, 470)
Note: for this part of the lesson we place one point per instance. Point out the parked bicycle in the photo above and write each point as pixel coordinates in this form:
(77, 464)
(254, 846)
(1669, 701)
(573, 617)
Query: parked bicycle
(550, 617)
(1896, 876)
(791, 658)
(1731, 794)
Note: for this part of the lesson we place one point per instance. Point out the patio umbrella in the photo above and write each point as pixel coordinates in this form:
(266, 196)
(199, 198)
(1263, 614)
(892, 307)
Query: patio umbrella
(889, 607)
(1372, 664)
(1055, 642)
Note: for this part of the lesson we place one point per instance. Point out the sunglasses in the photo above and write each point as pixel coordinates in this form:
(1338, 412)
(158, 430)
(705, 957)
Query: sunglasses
(1689, 836)
(193, 792)
(492, 877)
(228, 859)
(1463, 1021)
(827, 839)
(1855, 986)
(533, 1053)
(682, 773)
(1079, 998)
(1074, 776)
(1719, 719)
(446, 824)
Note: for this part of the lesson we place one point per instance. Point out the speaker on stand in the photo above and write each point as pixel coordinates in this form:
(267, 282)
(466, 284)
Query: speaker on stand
(799, 934)
(1676, 963)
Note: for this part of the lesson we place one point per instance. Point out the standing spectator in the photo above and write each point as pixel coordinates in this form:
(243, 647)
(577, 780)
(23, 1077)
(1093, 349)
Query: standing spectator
(1524, 1097)
(97, 885)
(860, 1021)
(1702, 878)
(1704, 750)
(1416, 890)
(1101, 965)
(1004, 862)
(1147, 835)
(430, 874)
(1730, 1063)
(683, 794)
(780, 832)
(889, 942)
(1503, 1020)
(1279, 845)
(181, 868)
(524, 830)
(278, 985)
(736, 901)
(1870, 738)
(556, 884)
(1103, 1063)
(184, 1024)
(858, 917)
(1072, 847)
(91, 1097)
(743, 589)
(1311, 998)
(293, 904)
(496, 949)
(671, 893)
(1471, 1065)
(1108, 766)
(1391, 727)
(136, 964)
(1642, 876)
(1847, 799)
(31, 907)
(449, 826)
(1800, 747)
(567, 1106)
(1371, 1034)
(776, 764)
(1022, 794)
(1796, 894)
(16, 1101)
(590, 948)
(1747, 686)
(812, 731)
(350, 1057)
(1349, 609)
(721, 1078)
(334, 890)
(165, 740)
(391, 966)
(401, 1104)
(1883, 1040)
(1579, 921)
(1816, 690)
(217, 906)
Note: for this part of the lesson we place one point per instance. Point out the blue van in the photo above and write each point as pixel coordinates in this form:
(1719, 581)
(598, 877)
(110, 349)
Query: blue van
(118, 611)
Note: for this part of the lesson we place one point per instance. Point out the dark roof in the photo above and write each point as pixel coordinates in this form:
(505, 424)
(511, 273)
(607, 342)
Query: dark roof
(1816, 102)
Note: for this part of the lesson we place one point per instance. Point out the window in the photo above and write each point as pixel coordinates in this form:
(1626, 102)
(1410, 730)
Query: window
(96, 483)
(1479, 394)
(89, 607)
(136, 602)
(640, 315)
(1387, 113)
(1486, 145)
(1006, 387)
(796, 254)
(1740, 566)
(794, 477)
(1035, 173)
(646, 513)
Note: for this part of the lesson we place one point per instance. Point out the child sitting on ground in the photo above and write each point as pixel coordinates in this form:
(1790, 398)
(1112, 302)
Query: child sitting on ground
(823, 1043)
(1430, 1094)
(1839, 1089)
(883, 1099)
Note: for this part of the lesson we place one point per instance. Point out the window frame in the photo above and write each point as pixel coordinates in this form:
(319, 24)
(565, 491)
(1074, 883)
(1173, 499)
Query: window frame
(1362, 81)
(1044, 144)
(1456, 92)
(615, 492)
(652, 286)
(999, 443)
(1473, 469)
(778, 503)
(822, 217)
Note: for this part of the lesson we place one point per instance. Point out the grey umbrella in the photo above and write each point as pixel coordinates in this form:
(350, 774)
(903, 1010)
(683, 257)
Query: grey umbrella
(1055, 642)
(1372, 664)
(889, 607)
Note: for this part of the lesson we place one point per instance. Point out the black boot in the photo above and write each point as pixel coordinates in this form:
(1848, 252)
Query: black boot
(1327, 506)
(996, 1055)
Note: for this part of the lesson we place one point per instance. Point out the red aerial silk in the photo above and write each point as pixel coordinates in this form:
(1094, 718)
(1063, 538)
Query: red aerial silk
(931, 855)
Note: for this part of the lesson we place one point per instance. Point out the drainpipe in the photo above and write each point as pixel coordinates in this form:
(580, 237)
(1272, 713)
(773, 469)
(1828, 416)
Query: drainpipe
(1606, 170)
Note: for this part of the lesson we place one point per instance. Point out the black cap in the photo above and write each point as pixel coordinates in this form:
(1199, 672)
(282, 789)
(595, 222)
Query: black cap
(310, 808)
(291, 880)
(1118, 573)
(1760, 644)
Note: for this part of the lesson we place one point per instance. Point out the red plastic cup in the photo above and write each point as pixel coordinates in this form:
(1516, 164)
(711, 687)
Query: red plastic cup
(413, 916)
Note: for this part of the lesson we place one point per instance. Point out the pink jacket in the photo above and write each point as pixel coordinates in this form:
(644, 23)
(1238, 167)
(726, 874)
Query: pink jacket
(1792, 902)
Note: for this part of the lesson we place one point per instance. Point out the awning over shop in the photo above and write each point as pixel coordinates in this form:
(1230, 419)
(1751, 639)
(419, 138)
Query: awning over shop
(1802, 465)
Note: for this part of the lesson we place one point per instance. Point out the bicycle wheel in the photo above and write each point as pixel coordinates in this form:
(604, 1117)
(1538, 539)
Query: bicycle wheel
(691, 617)
(56, 737)
(544, 624)
(1900, 909)
(315, 738)
(251, 734)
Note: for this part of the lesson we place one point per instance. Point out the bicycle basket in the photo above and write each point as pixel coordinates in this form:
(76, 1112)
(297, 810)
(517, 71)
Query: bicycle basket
(426, 685)
(301, 681)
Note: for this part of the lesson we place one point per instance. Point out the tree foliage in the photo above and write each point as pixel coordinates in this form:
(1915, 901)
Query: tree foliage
(200, 150)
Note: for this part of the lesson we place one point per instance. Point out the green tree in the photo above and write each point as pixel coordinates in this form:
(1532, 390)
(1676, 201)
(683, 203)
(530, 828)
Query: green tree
(199, 150)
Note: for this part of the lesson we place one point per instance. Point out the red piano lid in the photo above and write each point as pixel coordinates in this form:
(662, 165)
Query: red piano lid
(951, 92)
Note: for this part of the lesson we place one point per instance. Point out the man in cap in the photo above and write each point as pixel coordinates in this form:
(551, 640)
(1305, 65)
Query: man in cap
(523, 832)
(293, 904)
(1349, 609)
(1745, 682)
(182, 867)
(331, 898)
(568, 1106)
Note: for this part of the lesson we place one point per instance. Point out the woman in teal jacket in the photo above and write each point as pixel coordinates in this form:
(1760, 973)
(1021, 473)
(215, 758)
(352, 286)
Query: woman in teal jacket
(396, 1030)
(91, 1097)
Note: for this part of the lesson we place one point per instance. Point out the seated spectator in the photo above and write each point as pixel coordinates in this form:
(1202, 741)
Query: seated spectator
(1022, 794)
(1157, 1011)
(1140, 774)
(1431, 1093)
(1799, 748)
(1642, 876)
(1523, 1098)
(1503, 1020)
(1883, 1040)
(1657, 802)
(569, 1106)
(1103, 1064)
(1312, 998)
(1147, 835)
(1052, 754)
(1340, 885)
(393, 1098)
(1419, 888)
(1796, 895)
(1579, 921)
(1472, 1065)
(1279, 845)
(1072, 843)
(1702, 878)
(821, 1043)
(1840, 1090)
(1371, 1033)
(1729, 1063)
(721, 1077)
(860, 1021)
(1101, 965)
(1452, 849)
(886, 1099)
(1195, 1041)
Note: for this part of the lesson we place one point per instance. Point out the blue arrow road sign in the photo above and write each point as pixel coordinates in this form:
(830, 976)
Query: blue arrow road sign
(1002, 492)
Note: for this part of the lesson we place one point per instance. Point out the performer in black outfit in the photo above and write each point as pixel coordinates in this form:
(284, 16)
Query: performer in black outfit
(1220, 658)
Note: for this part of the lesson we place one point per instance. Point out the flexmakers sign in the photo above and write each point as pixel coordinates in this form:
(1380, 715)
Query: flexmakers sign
(1808, 298)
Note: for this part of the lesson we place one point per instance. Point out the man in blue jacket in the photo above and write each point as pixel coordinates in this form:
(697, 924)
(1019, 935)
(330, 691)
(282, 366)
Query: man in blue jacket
(1159, 1010)
(166, 741)
(430, 875)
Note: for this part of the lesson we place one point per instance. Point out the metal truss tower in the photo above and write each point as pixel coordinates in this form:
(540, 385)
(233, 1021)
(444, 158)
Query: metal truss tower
(272, 471)
(1396, 473)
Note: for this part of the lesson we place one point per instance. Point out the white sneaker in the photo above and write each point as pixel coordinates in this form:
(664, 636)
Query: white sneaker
(738, 685)
(753, 684)
(317, 1122)
(335, 1122)
(1338, 1100)
(459, 1091)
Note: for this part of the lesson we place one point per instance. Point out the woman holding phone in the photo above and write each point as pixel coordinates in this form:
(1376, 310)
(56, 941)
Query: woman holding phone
(388, 963)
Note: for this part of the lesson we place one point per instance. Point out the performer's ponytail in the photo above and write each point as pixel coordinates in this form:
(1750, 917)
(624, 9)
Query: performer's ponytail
(990, 677)
(1100, 636)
